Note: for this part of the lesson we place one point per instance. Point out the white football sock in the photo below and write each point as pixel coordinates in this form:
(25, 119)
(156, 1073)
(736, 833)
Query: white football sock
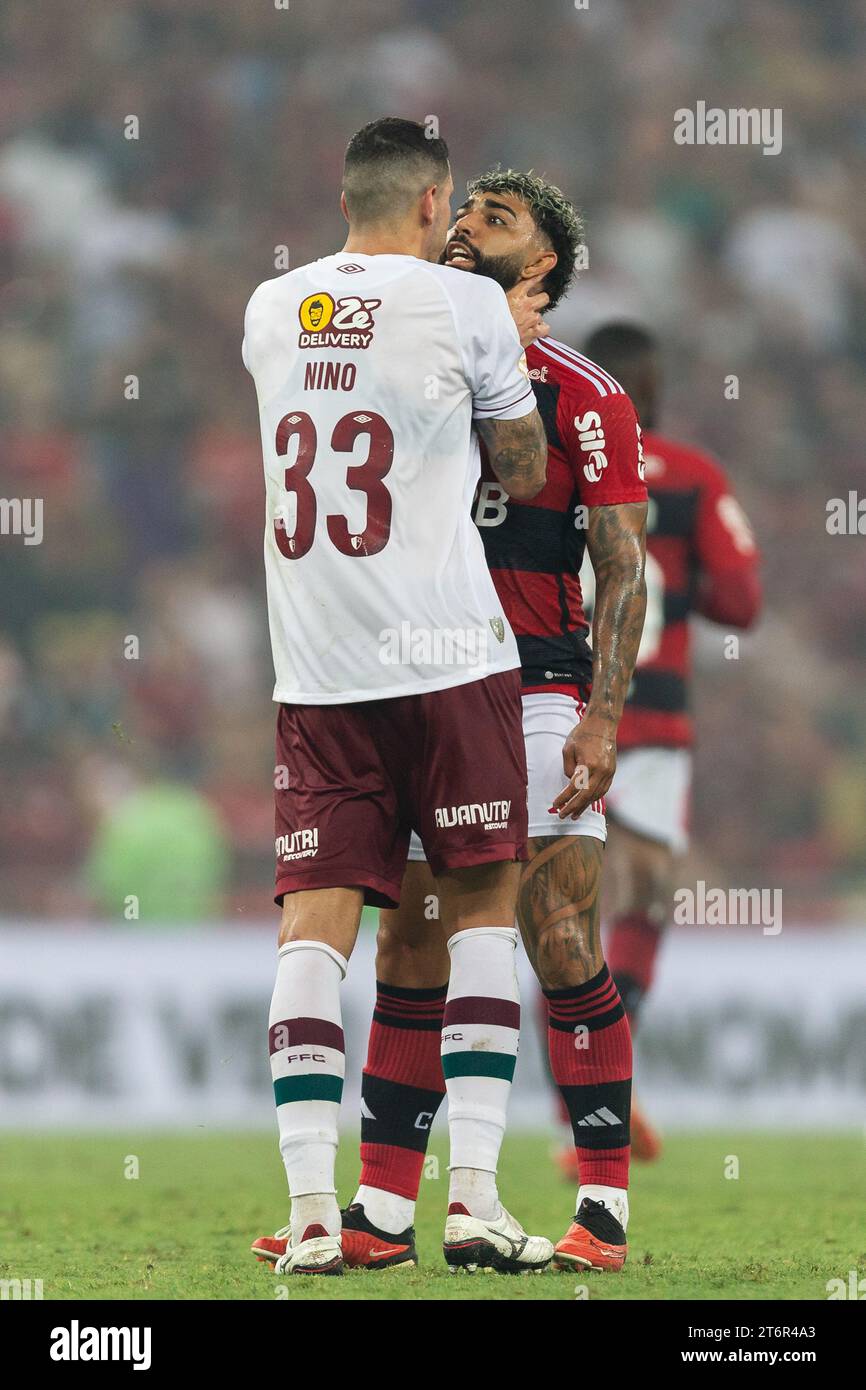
(614, 1198)
(476, 1190)
(480, 1033)
(387, 1210)
(308, 1065)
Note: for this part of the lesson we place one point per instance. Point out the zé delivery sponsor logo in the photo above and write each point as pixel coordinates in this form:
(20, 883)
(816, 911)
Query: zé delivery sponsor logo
(341, 323)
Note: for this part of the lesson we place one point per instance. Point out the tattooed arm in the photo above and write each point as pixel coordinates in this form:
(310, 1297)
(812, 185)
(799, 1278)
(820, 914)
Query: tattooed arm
(517, 450)
(616, 542)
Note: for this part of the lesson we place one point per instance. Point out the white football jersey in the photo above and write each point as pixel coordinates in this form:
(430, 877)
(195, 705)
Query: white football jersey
(368, 371)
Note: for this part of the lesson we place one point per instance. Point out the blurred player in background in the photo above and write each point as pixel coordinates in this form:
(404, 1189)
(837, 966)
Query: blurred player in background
(369, 474)
(701, 558)
(520, 231)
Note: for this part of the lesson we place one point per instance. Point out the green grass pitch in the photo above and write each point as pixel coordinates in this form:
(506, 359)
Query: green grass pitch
(180, 1230)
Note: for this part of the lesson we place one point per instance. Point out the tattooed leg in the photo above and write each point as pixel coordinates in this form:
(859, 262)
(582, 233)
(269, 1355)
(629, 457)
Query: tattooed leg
(588, 1037)
(558, 909)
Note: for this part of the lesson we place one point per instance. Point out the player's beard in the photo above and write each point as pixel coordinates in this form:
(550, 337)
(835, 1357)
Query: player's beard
(505, 270)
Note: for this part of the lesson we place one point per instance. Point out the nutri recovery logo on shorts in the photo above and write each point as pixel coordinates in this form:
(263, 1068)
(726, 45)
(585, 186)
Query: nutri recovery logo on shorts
(491, 815)
(300, 844)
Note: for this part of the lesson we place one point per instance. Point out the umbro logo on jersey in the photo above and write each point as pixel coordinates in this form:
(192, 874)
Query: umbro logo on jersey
(590, 437)
(300, 844)
(493, 815)
(351, 268)
(341, 323)
(603, 1116)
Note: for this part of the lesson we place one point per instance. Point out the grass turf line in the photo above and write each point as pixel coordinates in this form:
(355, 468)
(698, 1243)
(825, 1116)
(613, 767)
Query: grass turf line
(788, 1224)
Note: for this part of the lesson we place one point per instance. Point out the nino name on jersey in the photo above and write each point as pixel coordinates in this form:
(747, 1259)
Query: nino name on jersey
(369, 371)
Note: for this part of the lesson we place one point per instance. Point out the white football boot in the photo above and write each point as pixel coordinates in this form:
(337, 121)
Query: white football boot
(316, 1253)
(502, 1245)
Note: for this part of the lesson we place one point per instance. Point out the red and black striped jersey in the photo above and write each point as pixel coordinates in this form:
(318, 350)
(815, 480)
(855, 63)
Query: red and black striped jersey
(534, 549)
(701, 557)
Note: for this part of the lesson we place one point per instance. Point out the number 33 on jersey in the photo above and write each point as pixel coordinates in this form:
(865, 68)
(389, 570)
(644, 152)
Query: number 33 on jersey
(369, 371)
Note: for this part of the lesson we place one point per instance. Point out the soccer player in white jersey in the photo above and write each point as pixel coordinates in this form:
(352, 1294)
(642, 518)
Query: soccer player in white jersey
(397, 673)
(520, 230)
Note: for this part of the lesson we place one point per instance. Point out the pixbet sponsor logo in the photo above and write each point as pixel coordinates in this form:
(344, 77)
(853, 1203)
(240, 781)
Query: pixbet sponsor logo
(492, 815)
(590, 437)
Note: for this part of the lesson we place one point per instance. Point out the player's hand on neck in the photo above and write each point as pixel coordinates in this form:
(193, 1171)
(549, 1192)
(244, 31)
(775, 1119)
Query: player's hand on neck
(527, 301)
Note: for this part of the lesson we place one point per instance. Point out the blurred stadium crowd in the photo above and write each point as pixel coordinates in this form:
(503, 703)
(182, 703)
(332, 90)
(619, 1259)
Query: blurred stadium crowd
(135, 257)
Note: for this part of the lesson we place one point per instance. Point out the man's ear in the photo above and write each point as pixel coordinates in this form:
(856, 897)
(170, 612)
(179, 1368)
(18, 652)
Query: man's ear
(539, 267)
(427, 205)
(344, 206)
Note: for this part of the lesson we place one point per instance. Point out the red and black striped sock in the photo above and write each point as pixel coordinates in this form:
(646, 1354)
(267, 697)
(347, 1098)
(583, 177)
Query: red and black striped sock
(632, 947)
(589, 1044)
(402, 1087)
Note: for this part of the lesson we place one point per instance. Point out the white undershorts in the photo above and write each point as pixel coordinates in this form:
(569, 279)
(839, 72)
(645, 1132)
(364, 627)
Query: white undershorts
(548, 719)
(650, 794)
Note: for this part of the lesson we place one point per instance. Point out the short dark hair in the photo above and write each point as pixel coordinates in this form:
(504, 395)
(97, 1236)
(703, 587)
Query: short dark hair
(619, 343)
(552, 214)
(388, 164)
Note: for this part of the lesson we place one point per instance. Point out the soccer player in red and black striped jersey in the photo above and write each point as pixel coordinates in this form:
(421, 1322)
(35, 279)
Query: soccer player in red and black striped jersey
(523, 232)
(701, 558)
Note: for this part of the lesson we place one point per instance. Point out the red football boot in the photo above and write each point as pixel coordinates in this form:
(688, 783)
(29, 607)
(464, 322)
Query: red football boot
(594, 1240)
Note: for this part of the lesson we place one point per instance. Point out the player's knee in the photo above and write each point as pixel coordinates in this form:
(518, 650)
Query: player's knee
(390, 951)
(415, 962)
(652, 884)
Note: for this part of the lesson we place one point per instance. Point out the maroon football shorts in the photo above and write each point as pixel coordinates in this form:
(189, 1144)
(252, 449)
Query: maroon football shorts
(353, 780)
